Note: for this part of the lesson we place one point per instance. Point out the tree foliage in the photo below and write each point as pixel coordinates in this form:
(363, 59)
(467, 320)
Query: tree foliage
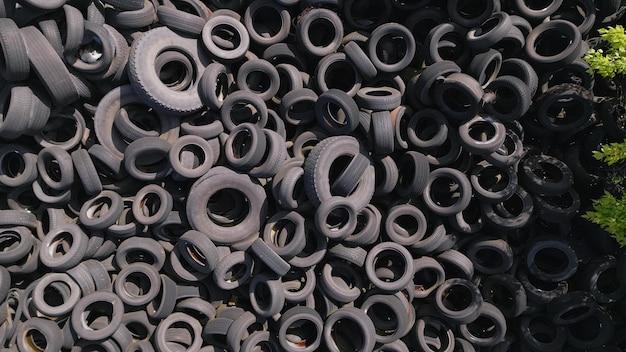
(612, 61)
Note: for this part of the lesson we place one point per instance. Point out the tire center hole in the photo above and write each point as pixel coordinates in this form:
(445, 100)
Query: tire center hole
(347, 335)
(321, 32)
(301, 333)
(13, 164)
(457, 298)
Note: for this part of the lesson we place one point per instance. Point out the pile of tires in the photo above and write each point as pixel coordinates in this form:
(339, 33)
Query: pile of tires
(303, 175)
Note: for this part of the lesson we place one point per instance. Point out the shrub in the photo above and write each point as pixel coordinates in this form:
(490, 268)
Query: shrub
(612, 61)
(609, 211)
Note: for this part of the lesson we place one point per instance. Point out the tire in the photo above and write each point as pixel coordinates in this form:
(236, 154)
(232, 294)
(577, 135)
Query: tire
(455, 49)
(224, 231)
(389, 250)
(510, 154)
(427, 129)
(226, 55)
(150, 150)
(396, 322)
(181, 21)
(242, 97)
(533, 14)
(296, 107)
(146, 276)
(47, 329)
(215, 84)
(484, 252)
(72, 257)
(359, 59)
(365, 335)
(378, 98)
(316, 42)
(191, 156)
(87, 172)
(547, 60)
(19, 243)
(252, 75)
(492, 192)
(560, 208)
(545, 175)
(382, 132)
(349, 178)
(270, 258)
(489, 32)
(464, 188)
(326, 216)
(132, 19)
(551, 259)
(512, 98)
(169, 98)
(49, 67)
(601, 318)
(468, 311)
(266, 34)
(375, 41)
(405, 235)
(482, 135)
(317, 172)
(459, 85)
(311, 319)
(191, 326)
(327, 74)
(416, 165)
(506, 292)
(245, 146)
(455, 11)
(531, 324)
(572, 99)
(15, 65)
(493, 314)
(353, 10)
(485, 67)
(505, 220)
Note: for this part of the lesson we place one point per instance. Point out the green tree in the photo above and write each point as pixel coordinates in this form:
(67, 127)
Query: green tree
(609, 211)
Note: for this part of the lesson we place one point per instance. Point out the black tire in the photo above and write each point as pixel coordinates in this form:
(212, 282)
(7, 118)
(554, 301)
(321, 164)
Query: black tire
(467, 92)
(506, 292)
(568, 99)
(497, 215)
(482, 135)
(415, 165)
(456, 12)
(327, 74)
(551, 259)
(337, 112)
(493, 183)
(544, 57)
(485, 67)
(14, 66)
(182, 21)
(49, 67)
(216, 24)
(364, 337)
(489, 32)
(533, 14)
(171, 97)
(452, 205)
(259, 77)
(545, 175)
(262, 33)
(328, 33)
(359, 59)
(394, 64)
